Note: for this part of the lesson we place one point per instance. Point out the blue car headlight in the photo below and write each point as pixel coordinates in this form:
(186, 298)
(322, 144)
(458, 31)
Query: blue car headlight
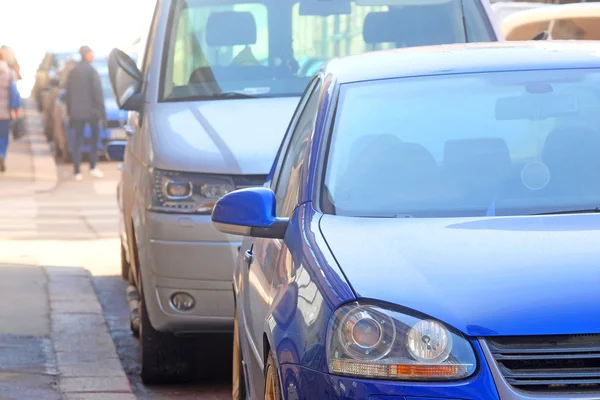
(373, 342)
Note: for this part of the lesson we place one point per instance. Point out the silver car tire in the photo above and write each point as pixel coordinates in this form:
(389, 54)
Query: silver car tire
(163, 357)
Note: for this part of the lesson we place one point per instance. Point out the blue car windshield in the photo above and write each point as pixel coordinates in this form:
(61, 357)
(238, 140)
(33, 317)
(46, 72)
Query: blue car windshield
(270, 48)
(502, 143)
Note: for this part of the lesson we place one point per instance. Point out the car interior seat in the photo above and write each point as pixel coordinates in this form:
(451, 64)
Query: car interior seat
(228, 29)
(389, 169)
(572, 156)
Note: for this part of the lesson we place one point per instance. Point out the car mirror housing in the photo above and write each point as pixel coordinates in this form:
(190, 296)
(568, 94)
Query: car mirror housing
(115, 150)
(126, 80)
(249, 212)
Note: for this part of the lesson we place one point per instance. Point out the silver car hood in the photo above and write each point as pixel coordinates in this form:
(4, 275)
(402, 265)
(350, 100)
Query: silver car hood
(220, 137)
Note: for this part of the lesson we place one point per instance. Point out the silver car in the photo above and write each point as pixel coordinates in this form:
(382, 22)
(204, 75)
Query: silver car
(209, 105)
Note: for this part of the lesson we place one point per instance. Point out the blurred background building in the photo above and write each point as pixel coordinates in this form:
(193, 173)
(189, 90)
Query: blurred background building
(33, 27)
(552, 1)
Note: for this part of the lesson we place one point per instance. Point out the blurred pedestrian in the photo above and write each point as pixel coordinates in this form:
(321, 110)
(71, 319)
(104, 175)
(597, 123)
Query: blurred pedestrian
(84, 99)
(63, 74)
(11, 60)
(10, 105)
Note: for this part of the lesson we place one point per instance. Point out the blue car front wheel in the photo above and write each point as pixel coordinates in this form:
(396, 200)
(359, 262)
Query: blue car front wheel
(272, 382)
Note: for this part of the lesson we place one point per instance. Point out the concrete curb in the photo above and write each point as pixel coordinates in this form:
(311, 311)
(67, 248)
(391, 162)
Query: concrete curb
(86, 356)
(44, 166)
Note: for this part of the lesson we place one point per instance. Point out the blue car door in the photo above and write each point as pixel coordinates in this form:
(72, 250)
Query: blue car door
(263, 256)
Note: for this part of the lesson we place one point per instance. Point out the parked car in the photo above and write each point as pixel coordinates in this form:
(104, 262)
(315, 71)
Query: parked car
(64, 134)
(503, 9)
(578, 21)
(217, 87)
(407, 245)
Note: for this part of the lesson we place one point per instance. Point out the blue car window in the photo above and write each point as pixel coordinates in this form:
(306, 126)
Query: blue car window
(504, 143)
(275, 171)
(288, 181)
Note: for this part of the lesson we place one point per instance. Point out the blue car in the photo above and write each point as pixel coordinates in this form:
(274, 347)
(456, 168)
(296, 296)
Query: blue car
(430, 229)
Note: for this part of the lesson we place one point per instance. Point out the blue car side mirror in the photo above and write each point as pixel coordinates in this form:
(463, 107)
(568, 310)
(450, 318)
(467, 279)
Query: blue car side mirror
(115, 150)
(249, 212)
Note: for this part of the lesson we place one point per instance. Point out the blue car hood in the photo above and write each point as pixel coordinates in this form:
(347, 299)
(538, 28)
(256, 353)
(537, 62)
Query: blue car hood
(533, 275)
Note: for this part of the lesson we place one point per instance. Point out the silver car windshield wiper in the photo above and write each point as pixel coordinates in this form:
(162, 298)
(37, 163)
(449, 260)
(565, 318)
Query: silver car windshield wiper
(230, 95)
(580, 211)
(213, 96)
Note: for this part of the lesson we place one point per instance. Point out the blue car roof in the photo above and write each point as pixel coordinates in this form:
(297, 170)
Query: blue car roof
(465, 58)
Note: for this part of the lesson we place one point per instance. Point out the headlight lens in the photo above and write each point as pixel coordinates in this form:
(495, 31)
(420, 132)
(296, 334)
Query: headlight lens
(429, 341)
(373, 342)
(186, 192)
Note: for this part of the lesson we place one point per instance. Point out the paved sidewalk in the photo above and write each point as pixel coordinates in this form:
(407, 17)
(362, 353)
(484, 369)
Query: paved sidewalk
(40, 202)
(25, 174)
(86, 357)
(51, 235)
(28, 367)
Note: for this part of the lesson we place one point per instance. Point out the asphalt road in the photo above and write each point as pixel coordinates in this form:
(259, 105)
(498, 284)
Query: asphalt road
(111, 293)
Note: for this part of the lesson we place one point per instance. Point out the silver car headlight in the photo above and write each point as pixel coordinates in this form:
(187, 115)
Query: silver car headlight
(182, 192)
(374, 342)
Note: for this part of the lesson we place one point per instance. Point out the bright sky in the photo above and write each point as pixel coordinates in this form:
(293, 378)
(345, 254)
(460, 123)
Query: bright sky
(31, 27)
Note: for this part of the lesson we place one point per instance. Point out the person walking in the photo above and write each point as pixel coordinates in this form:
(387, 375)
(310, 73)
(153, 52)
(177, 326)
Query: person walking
(63, 74)
(10, 104)
(84, 99)
(11, 60)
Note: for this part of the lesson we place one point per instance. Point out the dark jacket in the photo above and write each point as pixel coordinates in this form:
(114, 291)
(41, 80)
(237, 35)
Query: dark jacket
(84, 96)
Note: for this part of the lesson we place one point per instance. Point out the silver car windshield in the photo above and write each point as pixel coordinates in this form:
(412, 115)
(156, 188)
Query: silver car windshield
(270, 48)
(486, 144)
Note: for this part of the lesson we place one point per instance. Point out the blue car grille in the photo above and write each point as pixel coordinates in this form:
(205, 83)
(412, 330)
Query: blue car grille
(246, 181)
(555, 364)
